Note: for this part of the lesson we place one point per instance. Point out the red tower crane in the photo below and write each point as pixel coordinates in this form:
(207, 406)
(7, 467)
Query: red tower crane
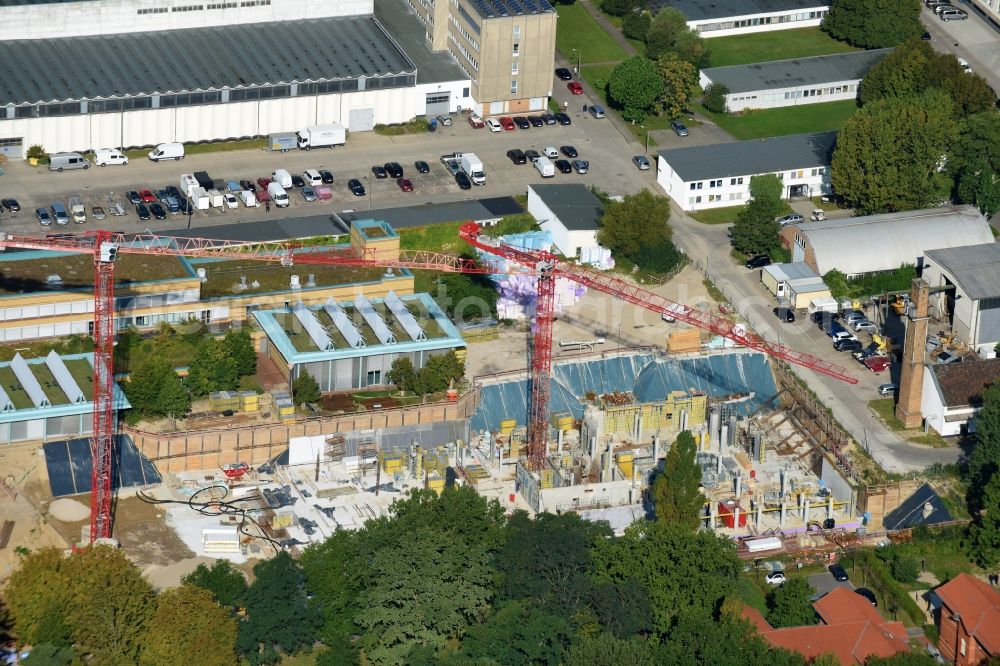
(545, 266)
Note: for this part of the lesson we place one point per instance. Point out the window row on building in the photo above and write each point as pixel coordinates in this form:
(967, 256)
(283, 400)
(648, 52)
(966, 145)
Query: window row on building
(197, 8)
(465, 53)
(202, 98)
(465, 33)
(762, 20)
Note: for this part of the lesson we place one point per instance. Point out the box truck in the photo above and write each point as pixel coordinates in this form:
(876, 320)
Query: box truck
(318, 136)
(473, 168)
(188, 184)
(278, 194)
(199, 197)
(281, 177)
(215, 199)
(283, 141)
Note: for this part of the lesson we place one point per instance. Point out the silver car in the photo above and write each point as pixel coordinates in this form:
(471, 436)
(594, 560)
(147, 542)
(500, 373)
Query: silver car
(308, 193)
(97, 213)
(581, 166)
(641, 162)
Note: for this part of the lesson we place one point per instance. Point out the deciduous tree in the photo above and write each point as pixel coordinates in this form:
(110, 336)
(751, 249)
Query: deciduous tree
(790, 605)
(680, 80)
(37, 594)
(755, 230)
(669, 33)
(677, 495)
(211, 369)
(714, 98)
(603, 649)
(873, 24)
(980, 185)
(640, 219)
(154, 389)
(239, 345)
(305, 390)
(978, 140)
(336, 571)
(619, 7)
(518, 634)
(188, 622)
(402, 374)
(634, 87)
(636, 25)
(227, 584)
(889, 150)
(466, 297)
(985, 530)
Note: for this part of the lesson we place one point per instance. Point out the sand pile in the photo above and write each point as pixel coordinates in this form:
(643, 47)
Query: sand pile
(69, 510)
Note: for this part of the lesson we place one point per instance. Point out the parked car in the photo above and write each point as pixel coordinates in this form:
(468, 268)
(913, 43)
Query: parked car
(564, 74)
(308, 193)
(173, 204)
(494, 125)
(842, 335)
(522, 122)
(575, 87)
(791, 218)
(98, 213)
(564, 166)
(147, 196)
(964, 64)
(298, 181)
(404, 184)
(142, 211)
(444, 120)
(247, 185)
(548, 118)
(536, 121)
(43, 217)
(356, 188)
(887, 389)
(839, 572)
(421, 166)
(852, 316)
(679, 128)
(463, 181)
(847, 345)
(563, 118)
(581, 166)
(550, 152)
(158, 211)
(476, 121)
(161, 195)
(569, 151)
(785, 315)
(818, 215)
(11, 205)
(326, 176)
(867, 594)
(517, 156)
(641, 162)
(775, 578)
(228, 197)
(394, 169)
(866, 326)
(820, 315)
(532, 155)
(877, 364)
(596, 110)
(133, 197)
(758, 261)
(380, 172)
(508, 123)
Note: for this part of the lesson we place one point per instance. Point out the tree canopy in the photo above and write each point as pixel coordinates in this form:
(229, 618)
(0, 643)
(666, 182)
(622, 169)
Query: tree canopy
(637, 230)
(305, 389)
(677, 494)
(756, 229)
(634, 87)
(889, 151)
(154, 389)
(227, 584)
(790, 605)
(680, 81)
(873, 24)
(188, 621)
(669, 33)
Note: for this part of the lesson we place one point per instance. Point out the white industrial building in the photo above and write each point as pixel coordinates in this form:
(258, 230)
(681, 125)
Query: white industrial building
(769, 85)
(973, 304)
(721, 18)
(718, 175)
(571, 213)
(110, 73)
(952, 394)
(876, 243)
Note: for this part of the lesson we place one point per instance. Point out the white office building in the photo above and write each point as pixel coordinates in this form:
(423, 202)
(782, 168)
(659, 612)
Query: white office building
(722, 18)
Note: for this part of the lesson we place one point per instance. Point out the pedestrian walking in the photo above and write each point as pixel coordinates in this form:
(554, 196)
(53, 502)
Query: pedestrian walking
(585, 108)
(267, 206)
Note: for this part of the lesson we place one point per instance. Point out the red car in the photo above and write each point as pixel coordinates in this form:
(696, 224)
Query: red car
(147, 196)
(404, 184)
(476, 121)
(508, 123)
(575, 87)
(262, 193)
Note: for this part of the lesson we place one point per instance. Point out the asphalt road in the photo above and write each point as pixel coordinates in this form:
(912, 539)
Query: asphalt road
(973, 39)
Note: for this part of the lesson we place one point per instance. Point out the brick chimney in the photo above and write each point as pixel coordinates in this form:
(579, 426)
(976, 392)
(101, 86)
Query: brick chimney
(911, 380)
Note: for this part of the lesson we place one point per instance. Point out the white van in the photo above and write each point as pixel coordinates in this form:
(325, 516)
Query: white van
(77, 209)
(312, 177)
(248, 198)
(167, 151)
(60, 161)
(545, 167)
(106, 156)
(278, 194)
(282, 177)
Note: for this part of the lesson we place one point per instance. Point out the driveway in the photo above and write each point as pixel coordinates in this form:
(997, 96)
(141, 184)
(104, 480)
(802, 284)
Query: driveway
(824, 583)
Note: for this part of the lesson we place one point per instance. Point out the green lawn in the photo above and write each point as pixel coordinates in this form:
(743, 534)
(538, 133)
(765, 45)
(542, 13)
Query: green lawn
(597, 76)
(788, 120)
(774, 45)
(576, 29)
(725, 215)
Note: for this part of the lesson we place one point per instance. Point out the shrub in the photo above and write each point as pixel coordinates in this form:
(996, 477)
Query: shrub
(714, 98)
(619, 7)
(636, 25)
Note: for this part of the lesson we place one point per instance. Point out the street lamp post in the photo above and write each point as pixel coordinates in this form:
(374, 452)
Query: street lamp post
(371, 184)
(579, 60)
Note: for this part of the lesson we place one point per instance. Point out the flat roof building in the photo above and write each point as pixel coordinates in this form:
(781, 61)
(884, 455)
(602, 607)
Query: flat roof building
(720, 18)
(571, 213)
(779, 83)
(718, 175)
(973, 305)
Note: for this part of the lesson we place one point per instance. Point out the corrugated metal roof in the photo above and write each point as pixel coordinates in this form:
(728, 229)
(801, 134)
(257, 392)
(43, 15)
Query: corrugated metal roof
(576, 206)
(757, 156)
(201, 59)
(976, 268)
(790, 271)
(816, 70)
(872, 243)
(700, 10)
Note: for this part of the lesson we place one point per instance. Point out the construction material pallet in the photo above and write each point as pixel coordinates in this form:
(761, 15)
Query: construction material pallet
(6, 529)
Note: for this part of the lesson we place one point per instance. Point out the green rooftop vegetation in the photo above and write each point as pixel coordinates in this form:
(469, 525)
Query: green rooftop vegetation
(301, 341)
(18, 396)
(79, 369)
(82, 373)
(224, 276)
(77, 271)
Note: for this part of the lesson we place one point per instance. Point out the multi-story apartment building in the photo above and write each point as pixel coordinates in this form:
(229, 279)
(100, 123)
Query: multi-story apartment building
(507, 47)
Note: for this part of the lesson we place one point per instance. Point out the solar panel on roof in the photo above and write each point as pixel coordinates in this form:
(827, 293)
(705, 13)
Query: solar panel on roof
(65, 380)
(374, 320)
(28, 382)
(315, 329)
(344, 324)
(404, 316)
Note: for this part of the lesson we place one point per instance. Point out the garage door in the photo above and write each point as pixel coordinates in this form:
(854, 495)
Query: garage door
(12, 149)
(437, 104)
(361, 120)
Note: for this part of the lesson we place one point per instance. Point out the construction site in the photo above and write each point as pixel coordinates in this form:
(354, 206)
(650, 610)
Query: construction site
(585, 432)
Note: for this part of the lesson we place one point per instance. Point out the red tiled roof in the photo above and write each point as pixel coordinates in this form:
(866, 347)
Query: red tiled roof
(756, 619)
(979, 606)
(844, 605)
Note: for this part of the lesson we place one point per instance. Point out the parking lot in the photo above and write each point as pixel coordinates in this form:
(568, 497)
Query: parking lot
(595, 139)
